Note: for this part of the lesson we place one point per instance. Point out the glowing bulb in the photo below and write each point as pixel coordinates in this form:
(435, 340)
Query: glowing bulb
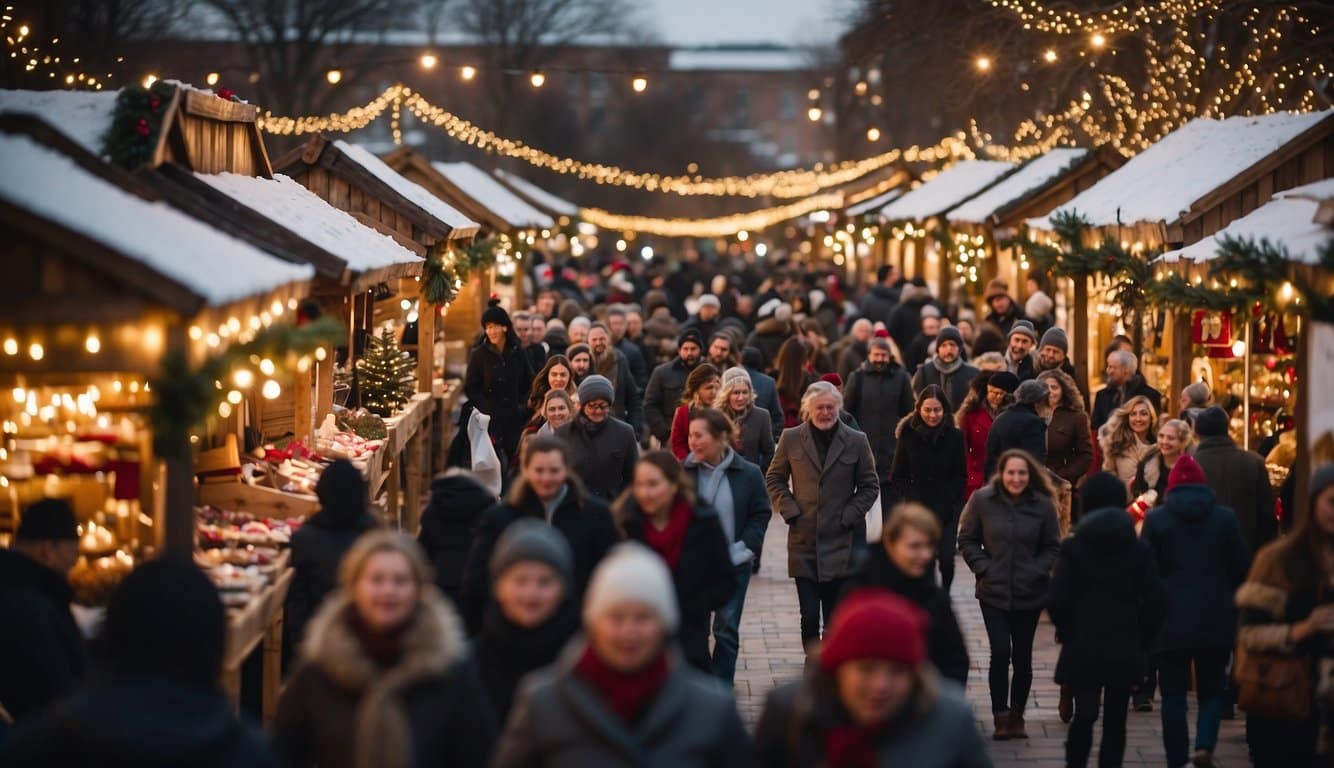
(620, 246)
(266, 367)
(36, 352)
(149, 80)
(243, 378)
(92, 344)
(334, 76)
(639, 82)
(11, 346)
(320, 354)
(234, 397)
(224, 409)
(743, 236)
(983, 63)
(211, 78)
(271, 390)
(814, 114)
(538, 79)
(20, 395)
(1239, 348)
(428, 61)
(873, 134)
(405, 304)
(467, 72)
(1097, 41)
(813, 94)
(1049, 56)
(761, 249)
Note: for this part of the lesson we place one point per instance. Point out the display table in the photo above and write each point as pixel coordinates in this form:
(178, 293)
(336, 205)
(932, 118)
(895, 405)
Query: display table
(406, 442)
(260, 621)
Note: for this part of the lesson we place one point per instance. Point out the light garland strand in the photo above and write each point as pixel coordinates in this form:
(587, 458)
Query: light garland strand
(722, 226)
(1123, 18)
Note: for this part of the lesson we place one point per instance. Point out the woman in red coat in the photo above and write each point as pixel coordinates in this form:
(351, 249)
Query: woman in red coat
(988, 394)
(700, 391)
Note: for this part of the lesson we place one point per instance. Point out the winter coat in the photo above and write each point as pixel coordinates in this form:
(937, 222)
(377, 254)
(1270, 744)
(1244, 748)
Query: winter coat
(1125, 463)
(660, 334)
(634, 357)
(706, 328)
(879, 303)
(1240, 481)
(1202, 557)
(930, 467)
(42, 658)
(755, 436)
(603, 455)
(1069, 444)
(945, 646)
(750, 500)
(679, 439)
(505, 652)
(955, 384)
(768, 336)
(1106, 601)
(826, 505)
(627, 405)
(905, 322)
(665, 386)
(937, 730)
(341, 708)
(1011, 545)
(447, 527)
(497, 384)
(317, 549)
(878, 400)
(584, 520)
(918, 351)
(561, 721)
(976, 426)
(1005, 322)
(139, 724)
(851, 358)
(1109, 399)
(704, 577)
(1018, 426)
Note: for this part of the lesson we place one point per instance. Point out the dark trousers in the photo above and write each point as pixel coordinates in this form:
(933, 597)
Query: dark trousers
(1079, 742)
(816, 600)
(949, 530)
(1010, 634)
(1174, 678)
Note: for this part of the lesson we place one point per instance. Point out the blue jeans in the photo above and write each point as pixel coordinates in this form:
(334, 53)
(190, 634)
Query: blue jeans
(727, 628)
(1174, 679)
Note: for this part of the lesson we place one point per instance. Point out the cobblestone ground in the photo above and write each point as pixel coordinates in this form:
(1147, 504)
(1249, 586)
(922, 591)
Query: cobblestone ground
(771, 655)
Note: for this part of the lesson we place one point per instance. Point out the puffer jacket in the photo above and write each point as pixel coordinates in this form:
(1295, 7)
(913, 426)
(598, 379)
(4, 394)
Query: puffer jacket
(1011, 545)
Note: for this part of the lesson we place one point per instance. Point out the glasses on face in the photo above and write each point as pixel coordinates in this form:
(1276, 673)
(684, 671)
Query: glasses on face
(598, 407)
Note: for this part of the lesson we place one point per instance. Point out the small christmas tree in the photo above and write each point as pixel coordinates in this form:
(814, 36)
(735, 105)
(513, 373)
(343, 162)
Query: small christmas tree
(386, 375)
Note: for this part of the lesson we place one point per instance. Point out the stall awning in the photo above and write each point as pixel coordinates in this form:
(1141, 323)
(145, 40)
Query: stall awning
(83, 116)
(1289, 220)
(949, 188)
(1033, 177)
(432, 205)
(494, 196)
(557, 206)
(875, 203)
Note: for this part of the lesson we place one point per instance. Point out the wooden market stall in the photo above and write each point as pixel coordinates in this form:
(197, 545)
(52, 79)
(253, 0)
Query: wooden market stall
(562, 210)
(1189, 185)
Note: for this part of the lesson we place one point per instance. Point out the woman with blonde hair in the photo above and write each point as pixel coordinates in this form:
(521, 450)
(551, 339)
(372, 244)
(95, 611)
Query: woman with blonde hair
(384, 677)
(754, 438)
(1175, 439)
(1125, 438)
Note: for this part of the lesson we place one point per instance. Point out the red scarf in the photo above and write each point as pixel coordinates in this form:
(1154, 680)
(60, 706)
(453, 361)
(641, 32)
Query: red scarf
(628, 694)
(670, 540)
(851, 746)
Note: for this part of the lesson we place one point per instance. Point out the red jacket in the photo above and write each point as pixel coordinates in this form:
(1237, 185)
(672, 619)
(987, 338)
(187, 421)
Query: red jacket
(976, 426)
(679, 439)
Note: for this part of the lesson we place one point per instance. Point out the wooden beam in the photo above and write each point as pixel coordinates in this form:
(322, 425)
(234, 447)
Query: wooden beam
(217, 108)
(385, 229)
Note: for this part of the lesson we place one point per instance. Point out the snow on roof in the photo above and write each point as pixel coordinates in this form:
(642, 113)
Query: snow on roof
(739, 60)
(399, 183)
(1164, 181)
(951, 187)
(493, 196)
(287, 203)
(208, 262)
(83, 116)
(1035, 175)
(1287, 220)
(541, 197)
(879, 201)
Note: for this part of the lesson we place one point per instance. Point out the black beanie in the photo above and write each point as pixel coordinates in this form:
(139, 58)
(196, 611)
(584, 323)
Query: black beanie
(1211, 422)
(342, 493)
(165, 622)
(1102, 490)
(949, 333)
(496, 314)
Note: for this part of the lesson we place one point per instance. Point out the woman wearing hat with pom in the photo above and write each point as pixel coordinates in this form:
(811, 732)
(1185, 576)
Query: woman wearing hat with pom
(622, 695)
(499, 377)
(872, 700)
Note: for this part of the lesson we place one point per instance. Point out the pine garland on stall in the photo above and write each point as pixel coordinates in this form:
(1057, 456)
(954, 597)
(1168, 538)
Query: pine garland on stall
(1259, 267)
(386, 375)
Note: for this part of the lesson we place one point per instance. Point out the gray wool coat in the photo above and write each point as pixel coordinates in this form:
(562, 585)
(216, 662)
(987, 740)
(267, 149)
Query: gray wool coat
(826, 503)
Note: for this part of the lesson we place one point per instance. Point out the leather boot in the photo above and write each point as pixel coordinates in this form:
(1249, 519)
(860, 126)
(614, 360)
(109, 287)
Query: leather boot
(1016, 729)
(1002, 726)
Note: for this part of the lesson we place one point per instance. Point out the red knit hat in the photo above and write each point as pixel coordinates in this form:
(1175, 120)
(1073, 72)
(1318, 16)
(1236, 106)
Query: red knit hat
(881, 333)
(833, 378)
(1186, 471)
(874, 623)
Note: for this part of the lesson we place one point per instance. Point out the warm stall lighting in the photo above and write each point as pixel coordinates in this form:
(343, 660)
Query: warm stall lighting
(538, 79)
(36, 352)
(212, 78)
(814, 114)
(92, 344)
(271, 390)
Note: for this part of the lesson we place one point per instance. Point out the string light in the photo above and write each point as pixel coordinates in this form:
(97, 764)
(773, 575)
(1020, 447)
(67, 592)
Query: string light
(1049, 56)
(639, 83)
(149, 80)
(334, 76)
(983, 63)
(467, 72)
(212, 78)
(1126, 17)
(1098, 40)
(814, 114)
(723, 226)
(538, 78)
(873, 134)
(428, 61)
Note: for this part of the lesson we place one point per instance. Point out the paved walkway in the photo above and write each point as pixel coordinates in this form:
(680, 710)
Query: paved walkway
(771, 655)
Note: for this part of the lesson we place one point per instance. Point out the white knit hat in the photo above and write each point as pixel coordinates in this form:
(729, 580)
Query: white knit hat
(632, 573)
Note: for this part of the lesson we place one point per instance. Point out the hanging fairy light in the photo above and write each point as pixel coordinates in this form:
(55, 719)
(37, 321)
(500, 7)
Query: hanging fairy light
(334, 76)
(639, 83)
(467, 72)
(538, 78)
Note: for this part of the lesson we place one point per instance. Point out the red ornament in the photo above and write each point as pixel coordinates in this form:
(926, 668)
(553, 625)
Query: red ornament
(142, 128)
(226, 93)
(154, 103)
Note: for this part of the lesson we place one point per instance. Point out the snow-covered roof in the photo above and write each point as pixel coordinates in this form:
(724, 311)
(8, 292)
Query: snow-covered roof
(493, 196)
(399, 183)
(540, 197)
(83, 116)
(874, 203)
(1035, 175)
(1287, 220)
(287, 203)
(1164, 181)
(211, 264)
(951, 187)
(739, 60)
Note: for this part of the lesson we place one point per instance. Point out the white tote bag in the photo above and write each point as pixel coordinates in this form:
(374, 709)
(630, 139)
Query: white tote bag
(874, 522)
(485, 462)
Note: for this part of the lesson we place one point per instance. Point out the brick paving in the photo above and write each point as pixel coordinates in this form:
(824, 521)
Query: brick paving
(771, 655)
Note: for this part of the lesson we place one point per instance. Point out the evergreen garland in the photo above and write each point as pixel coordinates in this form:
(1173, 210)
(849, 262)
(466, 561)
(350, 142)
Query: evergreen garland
(439, 281)
(136, 124)
(386, 375)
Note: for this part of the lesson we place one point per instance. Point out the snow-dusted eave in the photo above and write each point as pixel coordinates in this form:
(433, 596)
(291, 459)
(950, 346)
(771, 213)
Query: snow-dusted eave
(874, 203)
(1031, 179)
(488, 193)
(536, 195)
(948, 189)
(1289, 221)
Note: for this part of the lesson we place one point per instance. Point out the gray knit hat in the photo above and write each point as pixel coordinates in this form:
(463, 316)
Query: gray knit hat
(1031, 392)
(596, 387)
(529, 540)
(1024, 327)
(1055, 337)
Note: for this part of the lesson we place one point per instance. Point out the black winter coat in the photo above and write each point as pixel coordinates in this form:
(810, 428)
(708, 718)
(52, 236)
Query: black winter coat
(602, 455)
(930, 467)
(704, 577)
(945, 645)
(1018, 426)
(766, 399)
(905, 322)
(879, 303)
(663, 394)
(505, 652)
(634, 357)
(140, 724)
(1106, 601)
(447, 527)
(768, 338)
(42, 656)
(317, 549)
(955, 385)
(497, 384)
(585, 521)
(878, 400)
(1202, 558)
(1240, 481)
(1011, 545)
(1109, 399)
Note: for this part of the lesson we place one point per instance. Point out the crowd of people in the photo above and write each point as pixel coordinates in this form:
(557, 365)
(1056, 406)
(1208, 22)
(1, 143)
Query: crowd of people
(650, 424)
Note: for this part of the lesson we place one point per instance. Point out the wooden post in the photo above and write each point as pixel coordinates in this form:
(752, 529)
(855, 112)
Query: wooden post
(391, 503)
(179, 510)
(273, 667)
(1080, 326)
(425, 343)
(412, 498)
(1179, 368)
(303, 405)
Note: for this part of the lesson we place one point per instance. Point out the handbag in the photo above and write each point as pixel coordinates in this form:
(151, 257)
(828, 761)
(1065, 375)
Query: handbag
(1274, 685)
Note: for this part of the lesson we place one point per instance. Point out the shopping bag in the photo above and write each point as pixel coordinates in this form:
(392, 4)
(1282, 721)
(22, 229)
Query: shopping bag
(874, 522)
(485, 462)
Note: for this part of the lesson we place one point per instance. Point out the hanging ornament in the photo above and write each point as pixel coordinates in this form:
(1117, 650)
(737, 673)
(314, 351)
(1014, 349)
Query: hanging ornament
(1263, 333)
(1282, 341)
(1211, 328)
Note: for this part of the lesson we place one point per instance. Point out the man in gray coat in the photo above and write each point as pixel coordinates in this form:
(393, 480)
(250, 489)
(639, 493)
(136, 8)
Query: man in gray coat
(1237, 477)
(822, 480)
